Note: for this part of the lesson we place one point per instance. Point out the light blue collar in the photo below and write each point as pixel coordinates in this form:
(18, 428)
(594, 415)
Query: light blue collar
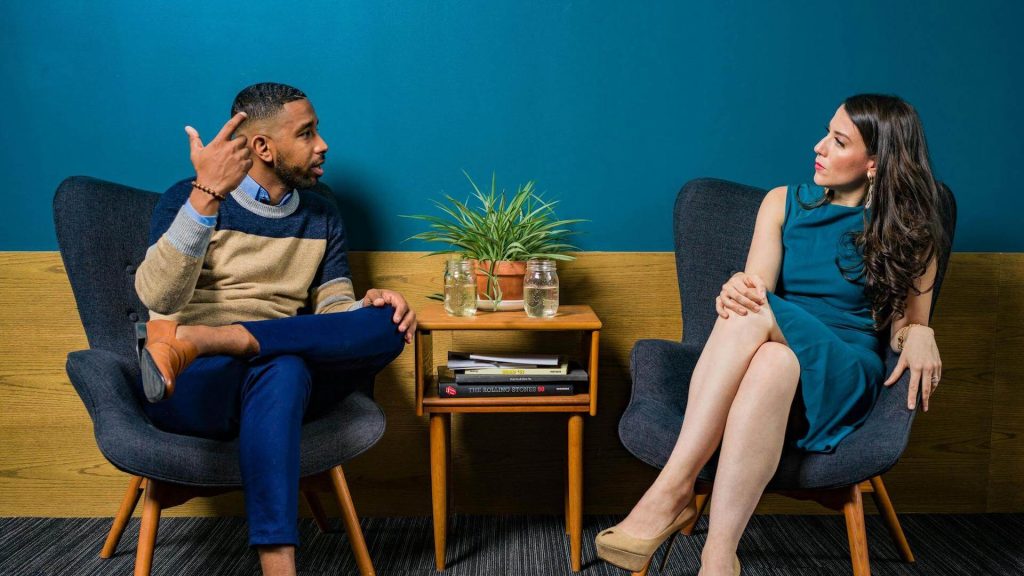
(258, 193)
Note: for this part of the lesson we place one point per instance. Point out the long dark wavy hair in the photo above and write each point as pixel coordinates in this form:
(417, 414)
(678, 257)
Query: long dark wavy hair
(902, 231)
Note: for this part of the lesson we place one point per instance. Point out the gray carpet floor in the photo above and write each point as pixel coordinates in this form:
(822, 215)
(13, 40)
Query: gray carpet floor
(971, 545)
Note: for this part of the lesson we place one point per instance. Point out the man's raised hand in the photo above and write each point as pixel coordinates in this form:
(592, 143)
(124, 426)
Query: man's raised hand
(223, 163)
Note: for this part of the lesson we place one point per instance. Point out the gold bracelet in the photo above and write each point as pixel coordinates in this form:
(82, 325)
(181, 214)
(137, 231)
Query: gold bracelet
(901, 336)
(209, 191)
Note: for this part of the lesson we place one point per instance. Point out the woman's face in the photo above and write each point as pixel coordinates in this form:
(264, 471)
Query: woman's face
(842, 162)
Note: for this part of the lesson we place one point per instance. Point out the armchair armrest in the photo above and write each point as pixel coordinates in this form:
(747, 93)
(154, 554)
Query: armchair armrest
(103, 380)
(661, 371)
(128, 440)
(877, 445)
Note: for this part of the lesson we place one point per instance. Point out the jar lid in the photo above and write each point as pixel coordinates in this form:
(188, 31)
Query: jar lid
(540, 264)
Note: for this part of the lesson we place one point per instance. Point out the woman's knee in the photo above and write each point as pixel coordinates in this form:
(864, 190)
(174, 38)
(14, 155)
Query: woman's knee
(758, 323)
(776, 362)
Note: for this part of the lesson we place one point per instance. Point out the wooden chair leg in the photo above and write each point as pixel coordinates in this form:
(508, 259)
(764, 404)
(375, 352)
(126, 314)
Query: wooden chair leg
(124, 513)
(351, 521)
(853, 509)
(317, 509)
(148, 529)
(892, 522)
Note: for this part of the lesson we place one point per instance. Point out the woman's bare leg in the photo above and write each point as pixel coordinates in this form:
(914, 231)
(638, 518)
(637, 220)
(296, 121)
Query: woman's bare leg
(716, 377)
(751, 447)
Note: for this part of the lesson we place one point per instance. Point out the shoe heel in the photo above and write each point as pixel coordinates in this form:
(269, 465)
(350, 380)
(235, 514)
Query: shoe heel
(140, 338)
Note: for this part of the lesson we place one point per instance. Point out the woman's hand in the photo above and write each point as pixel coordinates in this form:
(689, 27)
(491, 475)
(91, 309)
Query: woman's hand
(740, 294)
(921, 355)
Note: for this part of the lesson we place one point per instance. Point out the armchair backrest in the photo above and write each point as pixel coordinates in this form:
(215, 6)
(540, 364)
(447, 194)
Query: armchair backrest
(947, 212)
(714, 224)
(102, 232)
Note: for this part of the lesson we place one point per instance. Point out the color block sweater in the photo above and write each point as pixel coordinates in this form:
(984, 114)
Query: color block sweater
(258, 262)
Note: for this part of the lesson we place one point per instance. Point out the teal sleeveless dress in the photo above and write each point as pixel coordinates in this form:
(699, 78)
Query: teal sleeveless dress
(826, 320)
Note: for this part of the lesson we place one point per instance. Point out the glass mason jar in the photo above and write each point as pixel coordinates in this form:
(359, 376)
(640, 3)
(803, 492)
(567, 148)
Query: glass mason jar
(540, 289)
(459, 288)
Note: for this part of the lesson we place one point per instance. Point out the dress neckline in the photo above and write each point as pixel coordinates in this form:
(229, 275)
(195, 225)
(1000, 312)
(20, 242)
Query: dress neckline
(857, 207)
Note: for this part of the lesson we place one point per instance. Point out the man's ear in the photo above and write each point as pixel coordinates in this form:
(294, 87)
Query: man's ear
(262, 148)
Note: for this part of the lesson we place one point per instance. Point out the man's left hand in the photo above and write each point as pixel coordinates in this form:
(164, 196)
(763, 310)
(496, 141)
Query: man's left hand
(404, 315)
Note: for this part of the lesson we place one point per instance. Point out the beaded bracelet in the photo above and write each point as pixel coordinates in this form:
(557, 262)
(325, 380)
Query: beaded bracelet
(209, 191)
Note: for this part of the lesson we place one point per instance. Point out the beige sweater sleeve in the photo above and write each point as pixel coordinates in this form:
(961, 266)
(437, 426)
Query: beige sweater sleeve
(335, 296)
(166, 279)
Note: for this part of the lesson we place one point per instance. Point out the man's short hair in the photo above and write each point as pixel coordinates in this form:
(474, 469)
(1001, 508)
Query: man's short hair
(264, 100)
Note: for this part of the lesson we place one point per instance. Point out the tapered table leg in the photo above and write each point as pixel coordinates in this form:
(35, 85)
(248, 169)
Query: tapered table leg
(565, 496)
(438, 483)
(575, 490)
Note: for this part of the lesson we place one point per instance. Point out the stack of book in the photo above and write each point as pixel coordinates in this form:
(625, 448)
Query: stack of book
(484, 375)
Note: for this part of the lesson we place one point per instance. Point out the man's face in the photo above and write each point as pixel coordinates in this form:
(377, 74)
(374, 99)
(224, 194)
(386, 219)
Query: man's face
(299, 151)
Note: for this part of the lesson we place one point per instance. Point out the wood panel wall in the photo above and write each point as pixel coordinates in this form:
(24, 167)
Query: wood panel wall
(965, 455)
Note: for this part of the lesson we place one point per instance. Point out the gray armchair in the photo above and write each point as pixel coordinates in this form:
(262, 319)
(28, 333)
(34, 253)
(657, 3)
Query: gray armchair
(714, 223)
(102, 231)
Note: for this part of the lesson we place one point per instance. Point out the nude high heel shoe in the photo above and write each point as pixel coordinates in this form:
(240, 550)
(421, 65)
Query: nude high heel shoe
(616, 547)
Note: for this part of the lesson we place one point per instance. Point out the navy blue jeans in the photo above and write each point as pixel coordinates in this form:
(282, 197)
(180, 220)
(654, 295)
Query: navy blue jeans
(310, 360)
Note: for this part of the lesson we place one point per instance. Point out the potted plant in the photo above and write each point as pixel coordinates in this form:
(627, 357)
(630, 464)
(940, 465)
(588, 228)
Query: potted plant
(500, 234)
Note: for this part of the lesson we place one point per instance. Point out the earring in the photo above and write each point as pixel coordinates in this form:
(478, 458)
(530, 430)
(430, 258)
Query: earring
(871, 190)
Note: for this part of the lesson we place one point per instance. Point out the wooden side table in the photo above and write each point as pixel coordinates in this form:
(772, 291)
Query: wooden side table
(432, 317)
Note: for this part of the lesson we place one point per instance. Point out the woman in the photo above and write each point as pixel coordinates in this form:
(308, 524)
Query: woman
(829, 267)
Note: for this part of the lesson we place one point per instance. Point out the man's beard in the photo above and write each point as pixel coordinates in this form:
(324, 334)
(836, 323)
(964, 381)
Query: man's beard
(294, 176)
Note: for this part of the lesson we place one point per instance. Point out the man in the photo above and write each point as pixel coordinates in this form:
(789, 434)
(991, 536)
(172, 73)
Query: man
(252, 309)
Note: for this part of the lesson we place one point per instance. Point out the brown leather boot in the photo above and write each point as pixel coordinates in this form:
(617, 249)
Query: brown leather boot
(163, 358)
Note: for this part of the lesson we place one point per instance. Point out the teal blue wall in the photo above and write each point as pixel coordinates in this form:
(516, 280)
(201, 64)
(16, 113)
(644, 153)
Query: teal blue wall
(609, 105)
